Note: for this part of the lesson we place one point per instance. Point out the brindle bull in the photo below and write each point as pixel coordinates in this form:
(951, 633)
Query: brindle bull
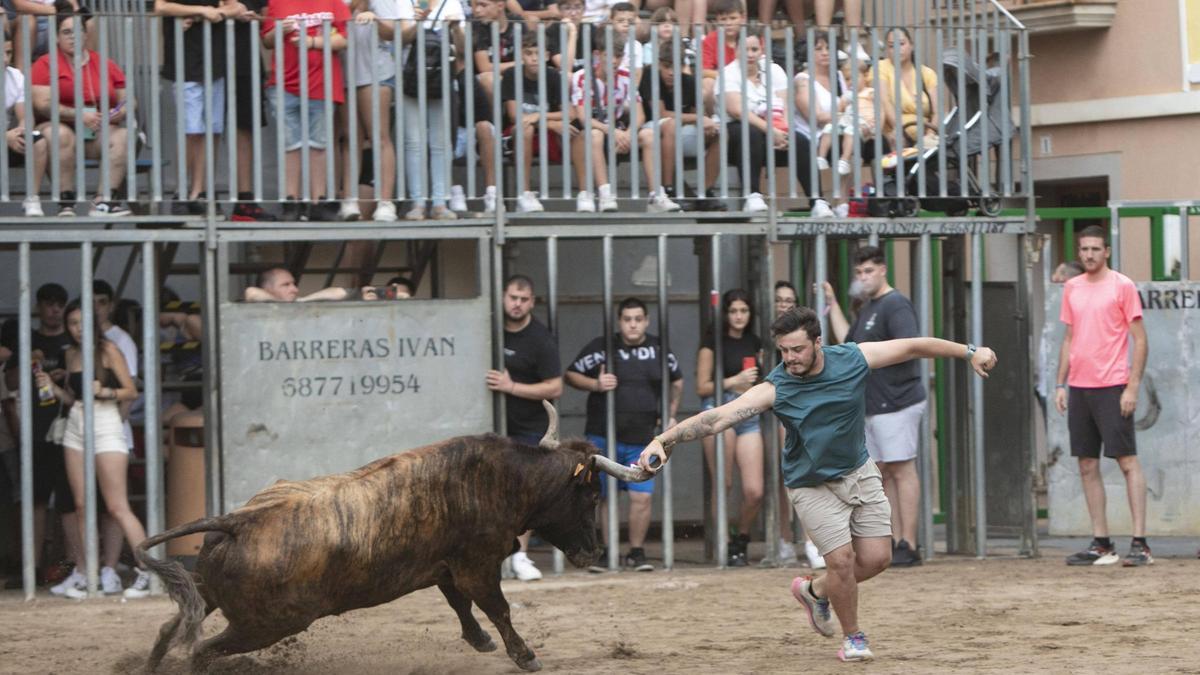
(445, 514)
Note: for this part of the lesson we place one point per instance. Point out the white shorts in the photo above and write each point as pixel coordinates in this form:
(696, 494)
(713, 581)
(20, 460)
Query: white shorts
(895, 437)
(110, 430)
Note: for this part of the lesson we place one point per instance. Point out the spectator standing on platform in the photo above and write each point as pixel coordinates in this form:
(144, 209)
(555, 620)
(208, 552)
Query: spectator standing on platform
(244, 91)
(95, 78)
(532, 374)
(896, 398)
(1098, 388)
(375, 66)
(740, 369)
(636, 377)
(303, 25)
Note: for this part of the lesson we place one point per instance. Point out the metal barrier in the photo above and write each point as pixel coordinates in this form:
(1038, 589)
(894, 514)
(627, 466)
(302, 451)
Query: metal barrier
(943, 157)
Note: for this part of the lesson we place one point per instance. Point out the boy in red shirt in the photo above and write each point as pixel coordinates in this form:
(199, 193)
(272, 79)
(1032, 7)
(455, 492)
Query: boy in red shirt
(1098, 389)
(730, 17)
(302, 21)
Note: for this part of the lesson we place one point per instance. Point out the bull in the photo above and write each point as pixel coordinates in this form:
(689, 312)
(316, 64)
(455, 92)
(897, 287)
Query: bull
(445, 514)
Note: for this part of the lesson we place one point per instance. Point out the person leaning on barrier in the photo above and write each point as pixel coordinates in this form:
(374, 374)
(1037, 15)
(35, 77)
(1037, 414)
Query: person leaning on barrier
(95, 79)
(279, 285)
(534, 11)
(532, 374)
(18, 152)
(397, 288)
(759, 111)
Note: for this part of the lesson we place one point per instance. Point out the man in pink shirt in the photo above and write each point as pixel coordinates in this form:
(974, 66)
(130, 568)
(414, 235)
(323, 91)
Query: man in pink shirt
(1101, 309)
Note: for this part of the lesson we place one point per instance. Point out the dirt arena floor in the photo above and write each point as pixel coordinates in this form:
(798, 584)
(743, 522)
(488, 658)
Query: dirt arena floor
(951, 615)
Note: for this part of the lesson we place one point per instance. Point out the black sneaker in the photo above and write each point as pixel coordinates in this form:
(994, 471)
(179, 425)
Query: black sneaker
(292, 210)
(737, 551)
(904, 555)
(636, 560)
(66, 203)
(601, 564)
(1139, 555)
(250, 212)
(1096, 554)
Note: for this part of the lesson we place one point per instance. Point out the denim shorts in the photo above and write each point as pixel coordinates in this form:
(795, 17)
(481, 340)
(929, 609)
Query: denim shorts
(293, 132)
(747, 426)
(626, 454)
(193, 107)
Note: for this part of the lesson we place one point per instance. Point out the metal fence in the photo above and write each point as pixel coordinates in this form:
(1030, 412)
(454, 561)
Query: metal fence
(961, 141)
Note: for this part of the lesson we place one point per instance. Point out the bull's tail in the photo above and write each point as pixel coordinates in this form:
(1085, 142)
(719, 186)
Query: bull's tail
(180, 585)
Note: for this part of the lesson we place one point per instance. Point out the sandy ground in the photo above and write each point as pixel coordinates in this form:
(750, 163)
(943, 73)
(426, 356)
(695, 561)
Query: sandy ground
(951, 615)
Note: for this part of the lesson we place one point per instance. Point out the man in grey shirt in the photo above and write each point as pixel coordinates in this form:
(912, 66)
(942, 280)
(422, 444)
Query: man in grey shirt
(896, 398)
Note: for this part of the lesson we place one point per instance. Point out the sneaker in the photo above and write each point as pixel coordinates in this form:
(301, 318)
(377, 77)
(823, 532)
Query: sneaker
(326, 211)
(249, 212)
(442, 213)
(415, 213)
(385, 212)
(66, 204)
(290, 211)
(528, 202)
(904, 555)
(819, 613)
(608, 202)
(110, 581)
(787, 552)
(661, 203)
(1139, 555)
(755, 203)
(78, 590)
(820, 209)
(489, 200)
(458, 199)
(1096, 554)
(601, 564)
(349, 211)
(102, 209)
(584, 203)
(842, 210)
(822, 164)
(815, 560)
(737, 550)
(524, 568)
(140, 587)
(636, 560)
(844, 167)
(33, 207)
(75, 578)
(854, 648)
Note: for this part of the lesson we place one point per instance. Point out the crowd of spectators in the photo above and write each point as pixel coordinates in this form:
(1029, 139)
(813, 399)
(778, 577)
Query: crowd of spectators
(358, 53)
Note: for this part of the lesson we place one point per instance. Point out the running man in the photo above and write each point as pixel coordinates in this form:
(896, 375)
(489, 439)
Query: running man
(818, 393)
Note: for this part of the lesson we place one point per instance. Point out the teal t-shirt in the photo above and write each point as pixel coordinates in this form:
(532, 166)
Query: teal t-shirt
(824, 417)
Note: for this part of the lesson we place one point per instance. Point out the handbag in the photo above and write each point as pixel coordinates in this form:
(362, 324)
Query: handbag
(58, 428)
(433, 63)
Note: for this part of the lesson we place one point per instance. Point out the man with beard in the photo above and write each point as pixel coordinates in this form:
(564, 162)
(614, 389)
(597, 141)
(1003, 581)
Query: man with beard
(895, 395)
(532, 373)
(819, 394)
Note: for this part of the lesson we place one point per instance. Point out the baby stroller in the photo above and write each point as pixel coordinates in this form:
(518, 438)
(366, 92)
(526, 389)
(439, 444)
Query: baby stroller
(963, 145)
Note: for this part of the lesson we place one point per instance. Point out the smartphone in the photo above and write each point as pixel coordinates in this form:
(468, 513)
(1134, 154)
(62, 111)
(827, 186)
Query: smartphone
(749, 362)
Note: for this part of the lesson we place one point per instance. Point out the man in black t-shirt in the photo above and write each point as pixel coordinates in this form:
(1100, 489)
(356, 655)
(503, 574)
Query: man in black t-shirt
(527, 113)
(895, 396)
(532, 374)
(689, 128)
(484, 13)
(636, 377)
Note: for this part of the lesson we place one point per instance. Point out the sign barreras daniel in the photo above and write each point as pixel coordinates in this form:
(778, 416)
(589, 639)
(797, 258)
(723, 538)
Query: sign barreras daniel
(327, 387)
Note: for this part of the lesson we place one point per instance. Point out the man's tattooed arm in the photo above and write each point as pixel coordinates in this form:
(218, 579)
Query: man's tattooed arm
(710, 422)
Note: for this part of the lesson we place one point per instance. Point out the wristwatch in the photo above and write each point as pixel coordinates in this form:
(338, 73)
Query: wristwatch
(970, 351)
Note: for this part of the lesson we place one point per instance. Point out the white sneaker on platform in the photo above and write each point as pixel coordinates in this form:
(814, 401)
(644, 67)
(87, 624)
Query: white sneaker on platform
(820, 209)
(608, 202)
(822, 164)
(843, 167)
(528, 202)
(524, 568)
(349, 211)
(33, 207)
(458, 199)
(489, 200)
(755, 203)
(842, 210)
(584, 203)
(661, 203)
(385, 211)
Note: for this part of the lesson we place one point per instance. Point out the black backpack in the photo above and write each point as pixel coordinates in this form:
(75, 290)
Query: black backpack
(433, 63)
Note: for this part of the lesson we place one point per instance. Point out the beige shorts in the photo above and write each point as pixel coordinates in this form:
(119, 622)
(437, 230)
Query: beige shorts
(110, 430)
(838, 511)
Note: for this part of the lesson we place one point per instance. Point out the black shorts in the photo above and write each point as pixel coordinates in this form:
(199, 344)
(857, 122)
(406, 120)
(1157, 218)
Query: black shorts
(1094, 419)
(47, 465)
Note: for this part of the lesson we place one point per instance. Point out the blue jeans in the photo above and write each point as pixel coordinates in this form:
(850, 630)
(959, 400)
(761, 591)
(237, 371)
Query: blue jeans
(414, 150)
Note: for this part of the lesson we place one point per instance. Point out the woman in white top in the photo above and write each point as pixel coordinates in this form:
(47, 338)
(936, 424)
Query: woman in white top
(420, 15)
(827, 102)
(758, 110)
(374, 68)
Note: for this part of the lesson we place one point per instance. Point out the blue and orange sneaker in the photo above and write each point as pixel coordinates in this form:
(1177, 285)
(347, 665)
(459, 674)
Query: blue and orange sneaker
(854, 648)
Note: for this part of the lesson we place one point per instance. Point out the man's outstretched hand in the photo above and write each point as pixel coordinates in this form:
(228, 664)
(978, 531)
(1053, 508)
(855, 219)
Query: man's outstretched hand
(983, 360)
(653, 457)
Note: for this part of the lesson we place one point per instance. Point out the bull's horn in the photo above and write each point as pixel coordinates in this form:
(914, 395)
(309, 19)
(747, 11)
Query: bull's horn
(550, 440)
(629, 474)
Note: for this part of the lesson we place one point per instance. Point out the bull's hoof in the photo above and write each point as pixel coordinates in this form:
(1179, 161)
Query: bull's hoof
(531, 664)
(481, 643)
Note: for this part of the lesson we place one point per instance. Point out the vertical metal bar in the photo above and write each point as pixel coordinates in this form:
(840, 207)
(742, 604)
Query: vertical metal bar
(256, 107)
(714, 301)
(1185, 267)
(835, 145)
(229, 127)
(327, 95)
(814, 175)
(378, 186)
(401, 130)
(519, 122)
(210, 355)
(763, 313)
(771, 130)
(25, 397)
(565, 86)
(677, 96)
(985, 153)
(105, 111)
(610, 107)
(960, 120)
(154, 484)
(91, 542)
(723, 112)
(821, 273)
(655, 97)
(939, 50)
(589, 87)
(423, 118)
(131, 189)
(543, 130)
(878, 106)
(305, 111)
(552, 306)
(630, 104)
(664, 333)
(918, 44)
(29, 189)
(978, 466)
(610, 398)
(749, 183)
(209, 168)
(182, 188)
(856, 82)
(925, 460)
(899, 141)
(1114, 235)
(350, 188)
(790, 108)
(1026, 127)
(498, 328)
(280, 141)
(701, 142)
(469, 106)
(1005, 40)
(448, 131)
(55, 155)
